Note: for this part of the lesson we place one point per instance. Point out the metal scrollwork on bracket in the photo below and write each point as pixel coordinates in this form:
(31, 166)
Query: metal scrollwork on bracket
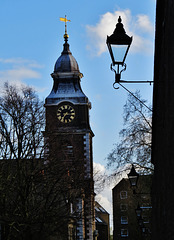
(117, 74)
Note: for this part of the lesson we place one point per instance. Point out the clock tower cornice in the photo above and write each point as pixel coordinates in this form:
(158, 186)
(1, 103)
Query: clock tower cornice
(70, 130)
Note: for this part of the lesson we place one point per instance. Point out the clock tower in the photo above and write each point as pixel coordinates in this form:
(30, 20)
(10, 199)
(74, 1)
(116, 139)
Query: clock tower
(68, 136)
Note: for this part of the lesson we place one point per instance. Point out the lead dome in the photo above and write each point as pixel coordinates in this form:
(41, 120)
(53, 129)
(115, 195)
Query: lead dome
(66, 62)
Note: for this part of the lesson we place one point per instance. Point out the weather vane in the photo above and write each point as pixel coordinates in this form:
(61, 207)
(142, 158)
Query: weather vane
(65, 20)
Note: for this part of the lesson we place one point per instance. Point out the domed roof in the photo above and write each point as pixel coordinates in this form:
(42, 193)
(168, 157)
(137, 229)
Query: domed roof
(66, 62)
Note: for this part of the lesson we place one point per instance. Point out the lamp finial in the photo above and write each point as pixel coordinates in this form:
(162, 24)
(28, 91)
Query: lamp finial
(119, 19)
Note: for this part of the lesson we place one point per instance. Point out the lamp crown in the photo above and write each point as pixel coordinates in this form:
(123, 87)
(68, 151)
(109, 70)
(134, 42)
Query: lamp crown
(119, 27)
(133, 172)
(119, 19)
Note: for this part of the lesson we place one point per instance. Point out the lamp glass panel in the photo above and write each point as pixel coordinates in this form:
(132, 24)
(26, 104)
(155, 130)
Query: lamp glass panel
(119, 52)
(133, 180)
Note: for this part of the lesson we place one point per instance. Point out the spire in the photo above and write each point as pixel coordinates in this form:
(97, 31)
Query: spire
(66, 62)
(65, 20)
(66, 36)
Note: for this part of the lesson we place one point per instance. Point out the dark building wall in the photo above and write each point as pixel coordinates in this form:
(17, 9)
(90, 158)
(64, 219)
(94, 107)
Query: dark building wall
(124, 204)
(102, 232)
(163, 123)
(102, 222)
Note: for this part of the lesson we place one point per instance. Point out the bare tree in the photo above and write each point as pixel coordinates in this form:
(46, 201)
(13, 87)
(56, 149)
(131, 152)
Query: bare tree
(21, 123)
(135, 144)
(100, 178)
(37, 199)
(37, 195)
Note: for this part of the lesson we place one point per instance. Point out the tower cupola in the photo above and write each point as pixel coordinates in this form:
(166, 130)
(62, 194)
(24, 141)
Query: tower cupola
(66, 78)
(66, 62)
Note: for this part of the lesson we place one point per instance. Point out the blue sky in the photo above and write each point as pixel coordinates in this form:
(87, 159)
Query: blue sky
(32, 39)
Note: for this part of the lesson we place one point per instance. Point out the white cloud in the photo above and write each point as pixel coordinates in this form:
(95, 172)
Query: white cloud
(105, 201)
(137, 27)
(143, 24)
(17, 70)
(20, 61)
(99, 168)
(18, 74)
(105, 195)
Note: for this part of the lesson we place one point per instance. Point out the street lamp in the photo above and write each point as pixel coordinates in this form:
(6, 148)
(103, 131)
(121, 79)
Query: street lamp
(118, 44)
(133, 177)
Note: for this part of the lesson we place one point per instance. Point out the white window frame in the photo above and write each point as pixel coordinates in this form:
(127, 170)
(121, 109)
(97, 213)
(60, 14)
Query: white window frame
(123, 194)
(123, 209)
(124, 220)
(124, 232)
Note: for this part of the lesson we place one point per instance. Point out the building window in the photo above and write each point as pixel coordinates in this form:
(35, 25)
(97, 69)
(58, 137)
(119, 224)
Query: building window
(68, 152)
(146, 206)
(123, 207)
(145, 219)
(124, 233)
(124, 220)
(123, 194)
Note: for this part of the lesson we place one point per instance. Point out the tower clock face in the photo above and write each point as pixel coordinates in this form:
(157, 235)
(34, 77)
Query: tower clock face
(65, 113)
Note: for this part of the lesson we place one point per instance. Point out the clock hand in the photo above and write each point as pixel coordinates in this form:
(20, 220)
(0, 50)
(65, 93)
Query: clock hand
(64, 115)
(67, 114)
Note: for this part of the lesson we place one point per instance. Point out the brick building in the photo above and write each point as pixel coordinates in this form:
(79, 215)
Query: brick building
(125, 202)
(68, 138)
